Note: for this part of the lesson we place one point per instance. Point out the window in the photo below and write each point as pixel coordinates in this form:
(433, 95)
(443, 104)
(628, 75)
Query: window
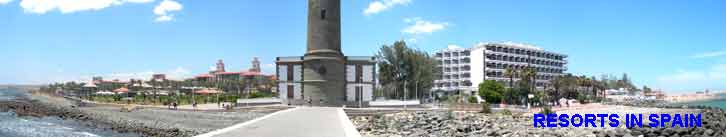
(322, 14)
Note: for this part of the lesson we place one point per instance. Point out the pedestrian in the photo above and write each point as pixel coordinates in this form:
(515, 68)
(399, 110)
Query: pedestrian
(568, 103)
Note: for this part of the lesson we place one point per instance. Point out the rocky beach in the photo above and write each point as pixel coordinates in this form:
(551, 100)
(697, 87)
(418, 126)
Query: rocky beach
(153, 122)
(461, 124)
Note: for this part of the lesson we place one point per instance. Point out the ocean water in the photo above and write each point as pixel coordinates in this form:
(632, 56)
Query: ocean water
(721, 102)
(13, 126)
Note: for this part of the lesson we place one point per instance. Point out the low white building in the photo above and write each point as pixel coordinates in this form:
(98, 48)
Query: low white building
(360, 78)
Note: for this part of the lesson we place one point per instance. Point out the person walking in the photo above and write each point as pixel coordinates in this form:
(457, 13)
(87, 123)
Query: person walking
(194, 105)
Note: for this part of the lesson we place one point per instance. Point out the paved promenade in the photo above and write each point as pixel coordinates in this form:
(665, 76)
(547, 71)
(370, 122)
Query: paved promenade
(295, 122)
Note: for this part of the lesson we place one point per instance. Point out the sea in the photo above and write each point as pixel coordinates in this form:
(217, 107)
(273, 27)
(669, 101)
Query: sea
(13, 126)
(720, 102)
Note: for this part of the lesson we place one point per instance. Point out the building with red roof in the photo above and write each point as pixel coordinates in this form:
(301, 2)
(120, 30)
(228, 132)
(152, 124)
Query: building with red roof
(221, 75)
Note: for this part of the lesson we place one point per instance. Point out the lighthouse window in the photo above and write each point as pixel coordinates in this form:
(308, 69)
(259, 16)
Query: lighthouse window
(322, 14)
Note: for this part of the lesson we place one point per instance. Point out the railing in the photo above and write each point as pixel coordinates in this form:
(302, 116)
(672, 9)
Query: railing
(296, 58)
(360, 58)
(465, 107)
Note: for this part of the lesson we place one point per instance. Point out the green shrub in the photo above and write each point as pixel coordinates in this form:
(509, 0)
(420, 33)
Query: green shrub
(485, 108)
(492, 97)
(582, 99)
(547, 110)
(260, 94)
(506, 112)
(472, 99)
(117, 97)
(491, 91)
(231, 98)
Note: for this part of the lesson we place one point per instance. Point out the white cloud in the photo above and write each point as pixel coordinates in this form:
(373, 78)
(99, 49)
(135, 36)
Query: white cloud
(163, 18)
(422, 26)
(5, 1)
(178, 73)
(163, 9)
(70, 6)
(382, 5)
(129, 75)
(709, 54)
(711, 78)
(139, 1)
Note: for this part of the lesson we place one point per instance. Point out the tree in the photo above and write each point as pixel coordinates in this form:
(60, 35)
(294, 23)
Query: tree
(647, 90)
(241, 86)
(510, 73)
(598, 87)
(399, 65)
(584, 82)
(155, 90)
(626, 80)
(526, 83)
(423, 72)
(558, 83)
(566, 86)
(491, 91)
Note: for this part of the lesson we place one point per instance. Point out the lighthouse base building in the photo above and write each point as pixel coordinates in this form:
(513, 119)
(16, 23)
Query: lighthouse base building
(324, 76)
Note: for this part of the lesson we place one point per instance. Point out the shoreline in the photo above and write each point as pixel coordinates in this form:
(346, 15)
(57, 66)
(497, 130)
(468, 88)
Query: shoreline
(145, 121)
(688, 98)
(702, 102)
(33, 107)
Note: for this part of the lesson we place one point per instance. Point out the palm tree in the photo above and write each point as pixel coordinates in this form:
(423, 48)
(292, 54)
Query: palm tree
(597, 86)
(531, 74)
(510, 72)
(587, 83)
(154, 85)
(557, 83)
(238, 84)
(165, 86)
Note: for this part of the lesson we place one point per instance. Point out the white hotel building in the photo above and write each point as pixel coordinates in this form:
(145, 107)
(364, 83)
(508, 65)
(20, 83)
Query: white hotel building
(464, 68)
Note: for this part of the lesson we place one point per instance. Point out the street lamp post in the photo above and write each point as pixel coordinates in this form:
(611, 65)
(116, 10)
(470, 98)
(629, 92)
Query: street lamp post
(404, 94)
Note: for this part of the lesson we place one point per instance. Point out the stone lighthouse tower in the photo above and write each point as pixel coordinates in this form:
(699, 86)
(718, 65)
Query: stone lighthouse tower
(324, 76)
(324, 63)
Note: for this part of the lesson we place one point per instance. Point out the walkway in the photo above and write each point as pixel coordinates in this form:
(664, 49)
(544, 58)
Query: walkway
(295, 122)
(208, 106)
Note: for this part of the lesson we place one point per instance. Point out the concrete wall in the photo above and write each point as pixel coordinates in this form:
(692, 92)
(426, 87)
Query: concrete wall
(478, 67)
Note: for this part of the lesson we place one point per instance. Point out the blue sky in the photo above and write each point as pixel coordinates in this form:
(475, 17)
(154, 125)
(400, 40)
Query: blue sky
(672, 45)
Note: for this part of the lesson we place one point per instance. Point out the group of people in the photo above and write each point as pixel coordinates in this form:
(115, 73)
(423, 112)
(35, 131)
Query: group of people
(227, 106)
(310, 101)
(173, 105)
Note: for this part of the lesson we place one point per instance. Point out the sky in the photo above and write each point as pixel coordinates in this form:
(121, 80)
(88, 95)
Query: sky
(676, 46)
